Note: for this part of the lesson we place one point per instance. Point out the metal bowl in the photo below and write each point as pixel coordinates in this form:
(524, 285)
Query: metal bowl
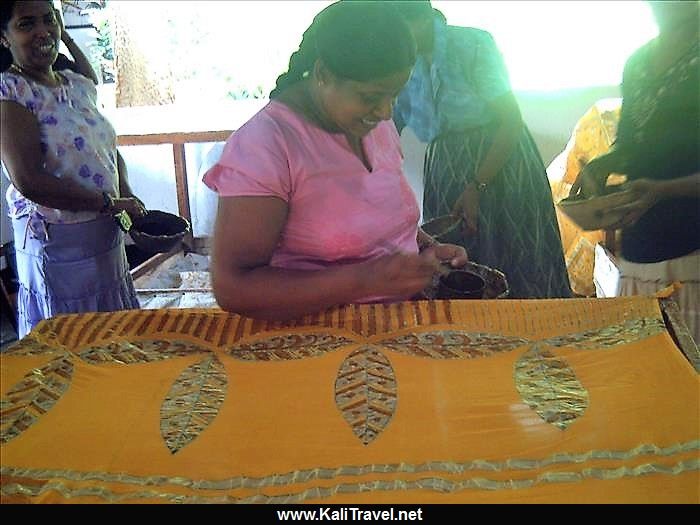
(495, 283)
(460, 284)
(597, 213)
(158, 231)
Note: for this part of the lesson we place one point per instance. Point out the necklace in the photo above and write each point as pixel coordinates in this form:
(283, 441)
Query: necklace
(59, 89)
(33, 76)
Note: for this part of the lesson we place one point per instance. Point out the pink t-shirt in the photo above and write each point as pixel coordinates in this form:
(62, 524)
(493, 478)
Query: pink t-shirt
(339, 212)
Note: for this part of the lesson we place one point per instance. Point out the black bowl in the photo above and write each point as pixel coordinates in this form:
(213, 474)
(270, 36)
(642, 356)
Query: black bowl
(495, 287)
(158, 231)
(461, 284)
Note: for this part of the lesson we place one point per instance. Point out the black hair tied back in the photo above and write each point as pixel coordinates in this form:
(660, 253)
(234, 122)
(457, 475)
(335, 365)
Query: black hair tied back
(355, 40)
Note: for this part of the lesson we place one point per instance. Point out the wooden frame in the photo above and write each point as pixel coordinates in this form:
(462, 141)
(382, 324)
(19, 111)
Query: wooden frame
(178, 141)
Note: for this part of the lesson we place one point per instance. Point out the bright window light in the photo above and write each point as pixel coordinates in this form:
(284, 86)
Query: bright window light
(220, 51)
(550, 45)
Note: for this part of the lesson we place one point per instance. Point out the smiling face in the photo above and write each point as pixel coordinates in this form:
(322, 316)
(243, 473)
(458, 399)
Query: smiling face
(33, 35)
(357, 107)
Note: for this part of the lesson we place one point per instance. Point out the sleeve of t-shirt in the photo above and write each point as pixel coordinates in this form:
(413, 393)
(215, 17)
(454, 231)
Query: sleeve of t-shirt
(254, 162)
(85, 87)
(490, 72)
(15, 88)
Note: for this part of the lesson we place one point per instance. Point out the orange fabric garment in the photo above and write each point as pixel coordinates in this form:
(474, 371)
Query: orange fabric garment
(578, 400)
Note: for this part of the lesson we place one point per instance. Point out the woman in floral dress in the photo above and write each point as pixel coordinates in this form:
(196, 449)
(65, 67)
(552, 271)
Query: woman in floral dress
(67, 180)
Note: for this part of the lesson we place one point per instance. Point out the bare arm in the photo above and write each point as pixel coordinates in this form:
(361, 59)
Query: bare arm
(246, 234)
(682, 187)
(137, 207)
(22, 155)
(124, 187)
(649, 192)
(81, 61)
(502, 146)
(504, 141)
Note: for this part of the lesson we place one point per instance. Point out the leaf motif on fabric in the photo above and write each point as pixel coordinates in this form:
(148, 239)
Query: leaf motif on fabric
(33, 396)
(134, 352)
(366, 392)
(30, 345)
(548, 385)
(193, 402)
(609, 336)
(452, 344)
(292, 346)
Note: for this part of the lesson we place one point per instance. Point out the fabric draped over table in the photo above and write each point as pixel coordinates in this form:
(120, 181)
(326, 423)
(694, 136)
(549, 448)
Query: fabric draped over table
(580, 400)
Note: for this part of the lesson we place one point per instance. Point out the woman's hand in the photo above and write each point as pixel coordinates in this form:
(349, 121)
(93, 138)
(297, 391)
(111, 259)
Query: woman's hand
(61, 26)
(455, 255)
(399, 274)
(129, 195)
(467, 206)
(131, 205)
(646, 193)
(409, 274)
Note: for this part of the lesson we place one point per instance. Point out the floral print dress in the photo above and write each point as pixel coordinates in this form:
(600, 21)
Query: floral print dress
(77, 141)
(67, 261)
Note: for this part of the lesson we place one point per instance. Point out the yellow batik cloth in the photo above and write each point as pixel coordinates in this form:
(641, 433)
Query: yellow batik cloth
(579, 400)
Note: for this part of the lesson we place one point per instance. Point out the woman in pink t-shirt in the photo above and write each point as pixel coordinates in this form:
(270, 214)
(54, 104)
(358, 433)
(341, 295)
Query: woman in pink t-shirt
(314, 210)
